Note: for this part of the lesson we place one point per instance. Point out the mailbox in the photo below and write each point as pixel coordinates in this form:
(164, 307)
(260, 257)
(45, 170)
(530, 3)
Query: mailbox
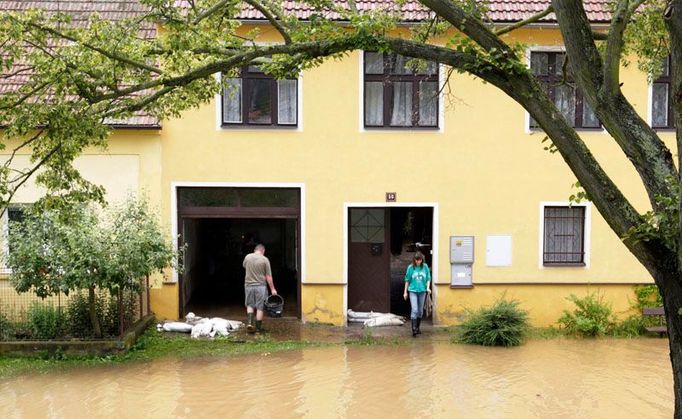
(461, 260)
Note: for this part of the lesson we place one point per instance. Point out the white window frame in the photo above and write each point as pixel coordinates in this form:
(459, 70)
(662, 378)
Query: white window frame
(361, 103)
(587, 242)
(295, 128)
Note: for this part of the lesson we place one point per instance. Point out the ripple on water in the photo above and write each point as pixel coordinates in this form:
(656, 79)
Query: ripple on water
(555, 378)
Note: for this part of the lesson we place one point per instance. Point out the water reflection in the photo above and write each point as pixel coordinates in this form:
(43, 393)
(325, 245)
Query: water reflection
(557, 378)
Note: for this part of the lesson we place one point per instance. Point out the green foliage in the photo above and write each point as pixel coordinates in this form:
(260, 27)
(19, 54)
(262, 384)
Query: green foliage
(591, 317)
(503, 324)
(6, 328)
(631, 327)
(662, 224)
(45, 321)
(648, 296)
(580, 194)
(646, 37)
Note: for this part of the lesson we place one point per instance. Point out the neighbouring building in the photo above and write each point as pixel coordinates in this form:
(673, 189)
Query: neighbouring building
(346, 171)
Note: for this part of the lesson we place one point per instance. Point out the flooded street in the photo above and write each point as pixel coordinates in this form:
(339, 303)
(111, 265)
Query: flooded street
(559, 378)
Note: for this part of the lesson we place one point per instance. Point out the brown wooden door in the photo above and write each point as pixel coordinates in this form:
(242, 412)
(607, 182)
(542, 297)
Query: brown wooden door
(369, 256)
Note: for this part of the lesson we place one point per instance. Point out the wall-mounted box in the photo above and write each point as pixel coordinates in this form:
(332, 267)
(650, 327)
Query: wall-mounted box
(461, 249)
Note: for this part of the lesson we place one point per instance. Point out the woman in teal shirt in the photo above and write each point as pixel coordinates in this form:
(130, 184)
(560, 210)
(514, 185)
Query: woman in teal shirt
(417, 283)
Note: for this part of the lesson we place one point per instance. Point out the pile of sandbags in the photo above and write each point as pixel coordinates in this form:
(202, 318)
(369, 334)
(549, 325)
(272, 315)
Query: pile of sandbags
(201, 326)
(372, 319)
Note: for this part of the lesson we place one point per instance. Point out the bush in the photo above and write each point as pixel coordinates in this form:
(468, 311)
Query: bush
(592, 317)
(6, 328)
(503, 324)
(630, 327)
(78, 313)
(44, 321)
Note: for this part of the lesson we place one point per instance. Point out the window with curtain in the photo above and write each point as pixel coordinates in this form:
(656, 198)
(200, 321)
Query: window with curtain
(548, 68)
(564, 236)
(661, 100)
(399, 92)
(256, 99)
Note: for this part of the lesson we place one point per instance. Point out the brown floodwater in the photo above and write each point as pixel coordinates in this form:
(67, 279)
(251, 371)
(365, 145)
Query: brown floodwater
(559, 378)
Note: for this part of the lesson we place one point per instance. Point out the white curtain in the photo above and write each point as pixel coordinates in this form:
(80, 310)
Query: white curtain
(374, 63)
(287, 94)
(565, 100)
(428, 103)
(660, 105)
(589, 117)
(374, 103)
(401, 115)
(232, 101)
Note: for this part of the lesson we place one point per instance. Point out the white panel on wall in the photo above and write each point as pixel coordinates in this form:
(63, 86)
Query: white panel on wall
(498, 251)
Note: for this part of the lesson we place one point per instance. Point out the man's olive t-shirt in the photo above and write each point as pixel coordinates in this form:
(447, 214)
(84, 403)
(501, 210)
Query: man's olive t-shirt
(257, 268)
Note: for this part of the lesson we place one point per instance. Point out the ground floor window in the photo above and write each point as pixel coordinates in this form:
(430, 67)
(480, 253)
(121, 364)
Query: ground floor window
(564, 236)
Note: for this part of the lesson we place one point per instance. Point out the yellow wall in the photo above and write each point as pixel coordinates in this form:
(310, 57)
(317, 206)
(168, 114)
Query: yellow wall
(484, 171)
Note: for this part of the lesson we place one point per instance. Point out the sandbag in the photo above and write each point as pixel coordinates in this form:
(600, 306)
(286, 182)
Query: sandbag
(202, 329)
(392, 320)
(175, 327)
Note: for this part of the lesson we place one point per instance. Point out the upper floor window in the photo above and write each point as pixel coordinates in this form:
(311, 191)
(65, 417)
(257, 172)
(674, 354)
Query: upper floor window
(661, 100)
(398, 93)
(564, 235)
(548, 68)
(256, 99)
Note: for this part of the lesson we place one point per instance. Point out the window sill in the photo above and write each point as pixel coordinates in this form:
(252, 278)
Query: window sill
(259, 127)
(375, 129)
(664, 129)
(456, 287)
(578, 129)
(564, 264)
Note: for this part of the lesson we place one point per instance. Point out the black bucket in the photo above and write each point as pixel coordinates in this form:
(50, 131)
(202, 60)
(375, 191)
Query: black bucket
(274, 305)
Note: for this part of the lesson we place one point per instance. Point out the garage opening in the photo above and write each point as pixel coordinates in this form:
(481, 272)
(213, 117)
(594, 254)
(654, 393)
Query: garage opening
(218, 228)
(382, 242)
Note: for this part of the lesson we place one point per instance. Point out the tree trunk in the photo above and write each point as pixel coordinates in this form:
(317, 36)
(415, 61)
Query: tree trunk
(671, 290)
(94, 320)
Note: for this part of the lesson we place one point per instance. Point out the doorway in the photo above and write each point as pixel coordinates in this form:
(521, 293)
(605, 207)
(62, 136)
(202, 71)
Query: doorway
(381, 243)
(217, 237)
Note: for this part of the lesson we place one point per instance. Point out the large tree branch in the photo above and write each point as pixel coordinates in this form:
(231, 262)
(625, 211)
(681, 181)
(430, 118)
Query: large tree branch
(648, 154)
(272, 17)
(525, 22)
(614, 45)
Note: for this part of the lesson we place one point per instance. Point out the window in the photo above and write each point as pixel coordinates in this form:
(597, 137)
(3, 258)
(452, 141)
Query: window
(548, 68)
(564, 236)
(12, 215)
(661, 100)
(399, 94)
(256, 99)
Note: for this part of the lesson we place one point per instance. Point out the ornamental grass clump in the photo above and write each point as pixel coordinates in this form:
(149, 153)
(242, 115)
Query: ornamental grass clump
(592, 316)
(503, 324)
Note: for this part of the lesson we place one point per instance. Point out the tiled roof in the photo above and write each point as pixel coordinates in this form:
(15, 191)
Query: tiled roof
(80, 10)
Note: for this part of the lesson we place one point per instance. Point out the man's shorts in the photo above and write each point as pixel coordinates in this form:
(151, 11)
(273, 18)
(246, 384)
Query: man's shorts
(255, 296)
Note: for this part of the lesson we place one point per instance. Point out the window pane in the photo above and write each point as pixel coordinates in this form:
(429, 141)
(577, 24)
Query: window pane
(666, 67)
(590, 120)
(539, 62)
(559, 64)
(399, 65)
(207, 197)
(367, 225)
(428, 103)
(268, 197)
(659, 114)
(564, 99)
(563, 237)
(431, 68)
(232, 101)
(374, 63)
(260, 105)
(401, 114)
(374, 104)
(286, 91)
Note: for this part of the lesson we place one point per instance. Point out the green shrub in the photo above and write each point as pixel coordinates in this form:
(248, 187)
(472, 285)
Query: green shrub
(592, 316)
(648, 296)
(44, 321)
(503, 324)
(6, 328)
(78, 313)
(630, 327)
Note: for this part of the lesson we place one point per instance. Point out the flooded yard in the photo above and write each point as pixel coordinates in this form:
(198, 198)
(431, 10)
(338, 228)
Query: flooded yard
(560, 378)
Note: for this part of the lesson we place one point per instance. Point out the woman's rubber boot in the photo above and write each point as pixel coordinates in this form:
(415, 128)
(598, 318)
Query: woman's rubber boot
(249, 323)
(259, 326)
(414, 328)
(419, 323)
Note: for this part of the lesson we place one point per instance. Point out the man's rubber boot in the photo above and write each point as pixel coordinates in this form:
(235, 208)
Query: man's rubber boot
(419, 323)
(259, 326)
(414, 328)
(249, 323)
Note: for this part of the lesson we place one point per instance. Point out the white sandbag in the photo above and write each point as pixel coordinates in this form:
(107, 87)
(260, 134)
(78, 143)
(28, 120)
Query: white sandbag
(192, 318)
(361, 316)
(235, 324)
(176, 327)
(221, 329)
(384, 321)
(202, 329)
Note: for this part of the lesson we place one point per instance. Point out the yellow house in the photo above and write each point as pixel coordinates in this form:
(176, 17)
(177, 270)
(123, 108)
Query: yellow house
(346, 171)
